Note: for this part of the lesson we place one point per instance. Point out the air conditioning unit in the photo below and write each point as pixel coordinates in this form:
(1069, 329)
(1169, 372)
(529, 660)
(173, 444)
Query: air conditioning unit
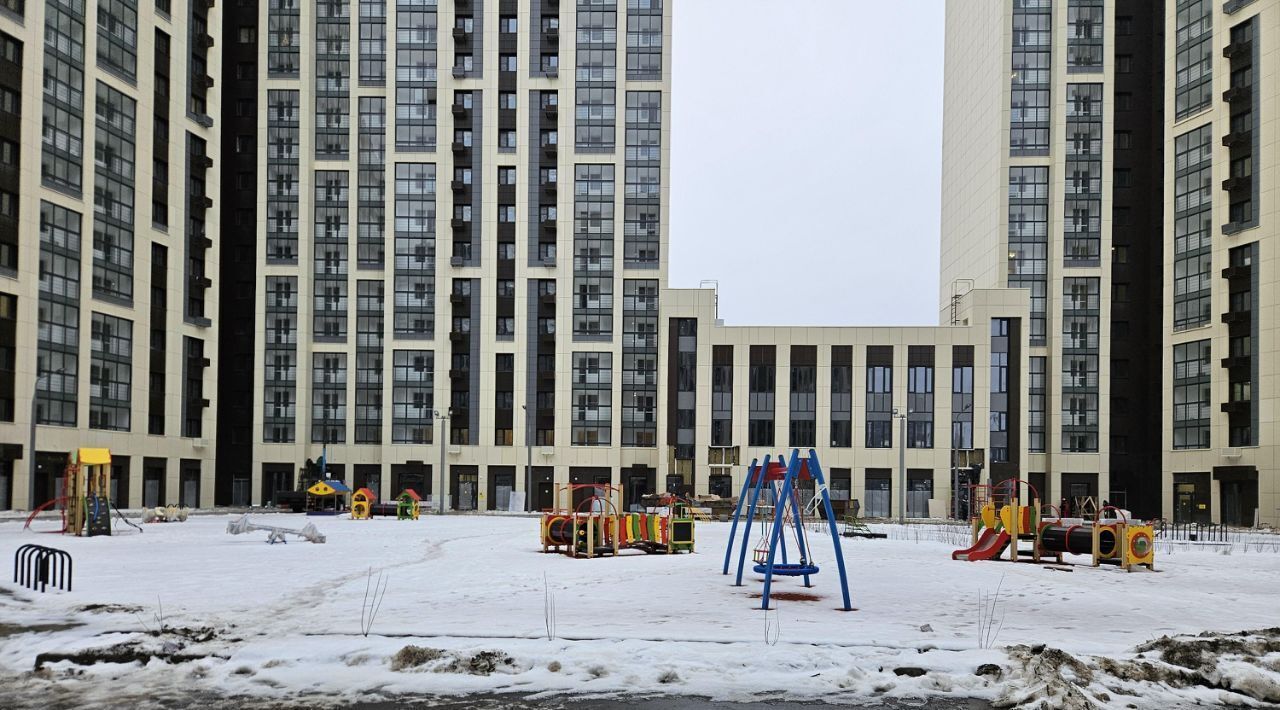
(1231, 454)
(199, 443)
(455, 450)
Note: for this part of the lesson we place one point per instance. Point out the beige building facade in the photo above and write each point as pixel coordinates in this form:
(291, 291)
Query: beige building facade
(1126, 192)
(461, 280)
(108, 314)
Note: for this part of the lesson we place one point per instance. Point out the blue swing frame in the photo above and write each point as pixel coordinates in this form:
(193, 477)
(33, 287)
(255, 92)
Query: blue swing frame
(756, 476)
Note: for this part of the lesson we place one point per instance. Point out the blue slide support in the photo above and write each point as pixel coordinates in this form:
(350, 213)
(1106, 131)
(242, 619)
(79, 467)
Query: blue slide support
(816, 469)
(742, 499)
(751, 514)
(804, 550)
(779, 509)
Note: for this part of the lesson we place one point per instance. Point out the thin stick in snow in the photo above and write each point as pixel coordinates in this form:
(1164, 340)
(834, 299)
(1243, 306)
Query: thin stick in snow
(548, 608)
(988, 628)
(370, 605)
(772, 627)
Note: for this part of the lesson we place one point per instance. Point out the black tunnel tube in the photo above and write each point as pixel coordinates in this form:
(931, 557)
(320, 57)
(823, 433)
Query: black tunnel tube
(1077, 539)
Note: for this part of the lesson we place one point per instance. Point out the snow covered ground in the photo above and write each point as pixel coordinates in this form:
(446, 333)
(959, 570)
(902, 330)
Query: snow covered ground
(186, 609)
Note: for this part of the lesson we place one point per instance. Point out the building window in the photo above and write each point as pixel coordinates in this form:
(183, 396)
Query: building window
(1242, 369)
(596, 85)
(333, 79)
(280, 360)
(373, 43)
(722, 395)
(1080, 351)
(760, 394)
(58, 333)
(1029, 241)
(62, 155)
(643, 198)
(157, 356)
(1084, 35)
(1191, 395)
(329, 297)
(593, 250)
(193, 401)
(842, 396)
(1242, 185)
(369, 351)
(1031, 78)
(412, 398)
(283, 40)
(592, 413)
(328, 398)
(920, 397)
(416, 49)
(415, 250)
(1037, 390)
(1192, 227)
(879, 397)
(110, 373)
(1082, 203)
(1193, 78)
(371, 227)
(640, 362)
(113, 193)
(282, 176)
(804, 396)
(644, 40)
(685, 386)
(1000, 392)
(118, 36)
(504, 399)
(962, 397)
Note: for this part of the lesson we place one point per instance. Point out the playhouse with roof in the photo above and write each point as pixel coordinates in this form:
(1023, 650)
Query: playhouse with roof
(327, 497)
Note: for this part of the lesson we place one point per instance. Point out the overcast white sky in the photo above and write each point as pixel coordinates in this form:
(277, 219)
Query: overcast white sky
(814, 127)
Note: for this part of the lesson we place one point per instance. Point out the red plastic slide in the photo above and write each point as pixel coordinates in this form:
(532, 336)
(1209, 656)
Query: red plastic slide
(990, 544)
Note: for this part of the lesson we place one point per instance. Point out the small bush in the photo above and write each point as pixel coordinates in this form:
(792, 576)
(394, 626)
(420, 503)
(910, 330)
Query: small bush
(413, 656)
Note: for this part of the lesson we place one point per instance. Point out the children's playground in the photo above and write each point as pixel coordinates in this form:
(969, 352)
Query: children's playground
(779, 604)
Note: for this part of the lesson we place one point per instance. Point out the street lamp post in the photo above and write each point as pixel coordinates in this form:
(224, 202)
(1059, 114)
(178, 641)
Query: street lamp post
(955, 464)
(902, 466)
(443, 418)
(31, 461)
(528, 465)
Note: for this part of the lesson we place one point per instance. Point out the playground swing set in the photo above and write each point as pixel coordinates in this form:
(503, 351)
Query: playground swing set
(1001, 519)
(596, 527)
(770, 556)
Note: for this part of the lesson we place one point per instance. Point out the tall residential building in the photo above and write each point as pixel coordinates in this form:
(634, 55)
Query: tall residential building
(449, 208)
(446, 270)
(108, 312)
(1124, 196)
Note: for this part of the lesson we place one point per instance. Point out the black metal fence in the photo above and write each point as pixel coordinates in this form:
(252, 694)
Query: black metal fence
(1191, 532)
(36, 567)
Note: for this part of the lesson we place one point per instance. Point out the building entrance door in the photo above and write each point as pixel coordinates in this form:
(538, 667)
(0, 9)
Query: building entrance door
(241, 491)
(1191, 500)
(468, 485)
(1184, 502)
(879, 496)
(637, 483)
(1239, 503)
